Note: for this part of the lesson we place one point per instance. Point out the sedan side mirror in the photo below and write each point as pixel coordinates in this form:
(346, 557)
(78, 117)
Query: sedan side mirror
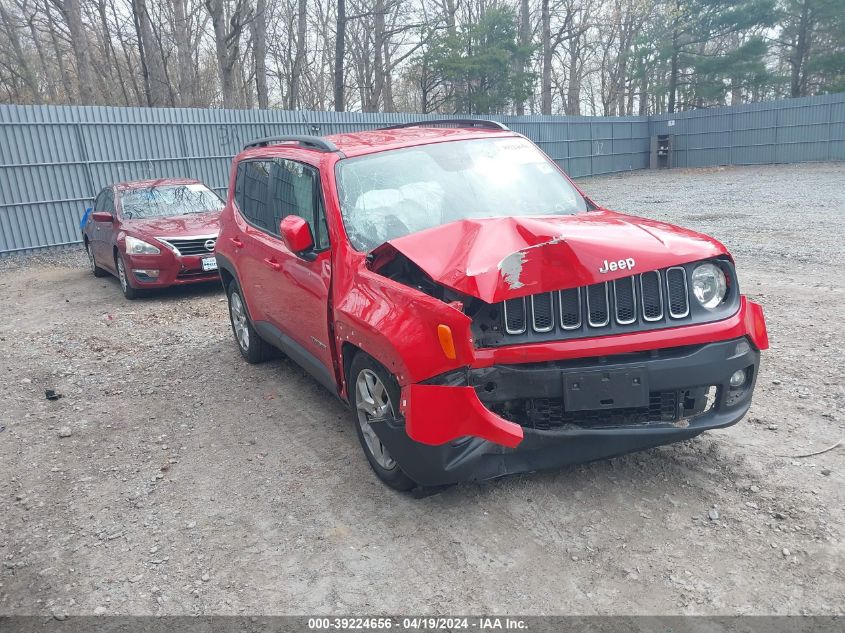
(296, 234)
(102, 216)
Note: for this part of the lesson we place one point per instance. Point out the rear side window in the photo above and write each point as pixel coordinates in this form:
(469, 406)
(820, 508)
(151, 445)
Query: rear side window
(267, 191)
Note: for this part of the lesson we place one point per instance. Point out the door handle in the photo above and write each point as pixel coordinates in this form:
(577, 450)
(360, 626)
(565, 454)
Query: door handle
(273, 264)
(237, 242)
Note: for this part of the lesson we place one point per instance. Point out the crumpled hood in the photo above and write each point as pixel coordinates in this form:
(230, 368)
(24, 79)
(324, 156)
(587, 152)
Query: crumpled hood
(176, 226)
(502, 258)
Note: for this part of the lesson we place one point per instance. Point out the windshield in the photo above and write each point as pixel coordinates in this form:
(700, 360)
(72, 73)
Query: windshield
(390, 194)
(166, 200)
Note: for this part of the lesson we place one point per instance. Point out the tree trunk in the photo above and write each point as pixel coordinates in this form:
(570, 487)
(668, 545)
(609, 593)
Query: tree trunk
(798, 80)
(187, 97)
(227, 48)
(643, 111)
(339, 52)
(294, 98)
(673, 73)
(524, 41)
(374, 95)
(387, 93)
(46, 68)
(86, 89)
(151, 62)
(259, 38)
(546, 81)
(573, 94)
(25, 70)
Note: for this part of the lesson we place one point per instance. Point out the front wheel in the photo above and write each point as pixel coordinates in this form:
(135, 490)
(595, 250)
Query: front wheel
(123, 275)
(374, 392)
(250, 345)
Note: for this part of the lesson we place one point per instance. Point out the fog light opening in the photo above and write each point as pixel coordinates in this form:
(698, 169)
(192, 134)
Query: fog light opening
(145, 274)
(738, 378)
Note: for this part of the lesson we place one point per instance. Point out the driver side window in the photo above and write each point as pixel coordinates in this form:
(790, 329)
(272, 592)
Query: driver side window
(267, 191)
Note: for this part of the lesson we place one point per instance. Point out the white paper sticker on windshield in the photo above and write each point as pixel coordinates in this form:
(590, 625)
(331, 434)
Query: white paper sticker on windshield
(195, 187)
(519, 152)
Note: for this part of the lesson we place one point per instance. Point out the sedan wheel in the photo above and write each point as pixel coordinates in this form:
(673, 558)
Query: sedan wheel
(121, 274)
(98, 272)
(128, 291)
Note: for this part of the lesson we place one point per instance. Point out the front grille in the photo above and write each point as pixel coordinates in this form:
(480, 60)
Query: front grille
(191, 246)
(542, 312)
(515, 316)
(598, 313)
(548, 414)
(570, 308)
(676, 283)
(651, 296)
(631, 303)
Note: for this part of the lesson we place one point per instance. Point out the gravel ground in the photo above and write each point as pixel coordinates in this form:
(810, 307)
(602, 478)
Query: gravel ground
(172, 478)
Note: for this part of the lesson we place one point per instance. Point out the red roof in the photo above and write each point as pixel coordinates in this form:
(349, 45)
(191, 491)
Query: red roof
(358, 143)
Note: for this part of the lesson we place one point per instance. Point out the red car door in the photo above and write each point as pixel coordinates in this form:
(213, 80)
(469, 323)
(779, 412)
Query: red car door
(287, 293)
(103, 232)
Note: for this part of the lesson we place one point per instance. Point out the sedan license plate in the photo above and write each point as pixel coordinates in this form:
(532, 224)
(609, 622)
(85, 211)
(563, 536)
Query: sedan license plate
(209, 263)
(605, 389)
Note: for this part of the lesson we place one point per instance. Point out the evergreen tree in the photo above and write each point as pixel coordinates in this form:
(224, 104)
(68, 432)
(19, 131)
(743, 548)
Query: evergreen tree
(702, 56)
(484, 63)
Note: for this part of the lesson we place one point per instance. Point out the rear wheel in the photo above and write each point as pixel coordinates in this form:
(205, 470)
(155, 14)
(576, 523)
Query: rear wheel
(98, 272)
(123, 276)
(375, 397)
(250, 345)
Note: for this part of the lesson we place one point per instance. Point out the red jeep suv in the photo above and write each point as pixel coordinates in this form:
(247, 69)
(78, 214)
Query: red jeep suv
(478, 313)
(153, 233)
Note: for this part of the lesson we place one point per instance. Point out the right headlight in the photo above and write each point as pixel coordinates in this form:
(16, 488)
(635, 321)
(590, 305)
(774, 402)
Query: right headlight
(709, 285)
(134, 246)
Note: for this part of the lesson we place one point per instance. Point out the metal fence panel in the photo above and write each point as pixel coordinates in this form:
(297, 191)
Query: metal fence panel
(54, 159)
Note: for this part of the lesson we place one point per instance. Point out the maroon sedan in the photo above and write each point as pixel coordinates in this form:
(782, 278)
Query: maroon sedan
(153, 233)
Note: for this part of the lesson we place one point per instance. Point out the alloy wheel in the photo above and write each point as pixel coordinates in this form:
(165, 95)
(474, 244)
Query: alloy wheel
(373, 404)
(121, 274)
(239, 322)
(91, 261)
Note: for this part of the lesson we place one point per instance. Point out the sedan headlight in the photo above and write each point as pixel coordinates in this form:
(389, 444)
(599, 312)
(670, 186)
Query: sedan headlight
(134, 246)
(709, 285)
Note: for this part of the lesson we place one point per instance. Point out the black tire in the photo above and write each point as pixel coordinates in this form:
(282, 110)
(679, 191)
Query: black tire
(129, 291)
(98, 272)
(251, 346)
(388, 470)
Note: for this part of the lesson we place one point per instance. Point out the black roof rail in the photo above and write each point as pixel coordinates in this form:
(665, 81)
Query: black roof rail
(309, 142)
(482, 123)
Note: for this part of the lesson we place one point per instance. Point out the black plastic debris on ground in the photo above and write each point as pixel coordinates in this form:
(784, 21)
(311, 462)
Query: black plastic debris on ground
(50, 394)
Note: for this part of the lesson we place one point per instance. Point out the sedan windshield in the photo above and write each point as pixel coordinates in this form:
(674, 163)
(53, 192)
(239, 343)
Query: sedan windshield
(394, 193)
(167, 200)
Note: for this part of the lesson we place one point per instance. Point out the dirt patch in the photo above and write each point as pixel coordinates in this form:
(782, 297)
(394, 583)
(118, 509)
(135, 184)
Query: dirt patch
(190, 482)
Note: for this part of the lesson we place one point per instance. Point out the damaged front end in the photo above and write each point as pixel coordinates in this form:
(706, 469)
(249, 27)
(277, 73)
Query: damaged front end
(562, 358)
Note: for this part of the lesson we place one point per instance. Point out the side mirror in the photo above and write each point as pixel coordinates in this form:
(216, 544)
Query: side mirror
(102, 216)
(296, 234)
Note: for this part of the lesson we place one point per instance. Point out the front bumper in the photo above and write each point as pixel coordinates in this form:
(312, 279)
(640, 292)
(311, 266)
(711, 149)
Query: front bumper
(473, 442)
(174, 270)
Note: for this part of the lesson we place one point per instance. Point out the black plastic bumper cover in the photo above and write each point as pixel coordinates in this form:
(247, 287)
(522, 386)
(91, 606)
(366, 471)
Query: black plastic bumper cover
(474, 459)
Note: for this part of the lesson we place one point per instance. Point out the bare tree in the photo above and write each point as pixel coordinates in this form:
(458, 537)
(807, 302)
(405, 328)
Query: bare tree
(228, 20)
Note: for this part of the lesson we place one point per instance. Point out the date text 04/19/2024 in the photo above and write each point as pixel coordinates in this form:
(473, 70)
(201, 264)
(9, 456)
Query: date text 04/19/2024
(424, 623)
